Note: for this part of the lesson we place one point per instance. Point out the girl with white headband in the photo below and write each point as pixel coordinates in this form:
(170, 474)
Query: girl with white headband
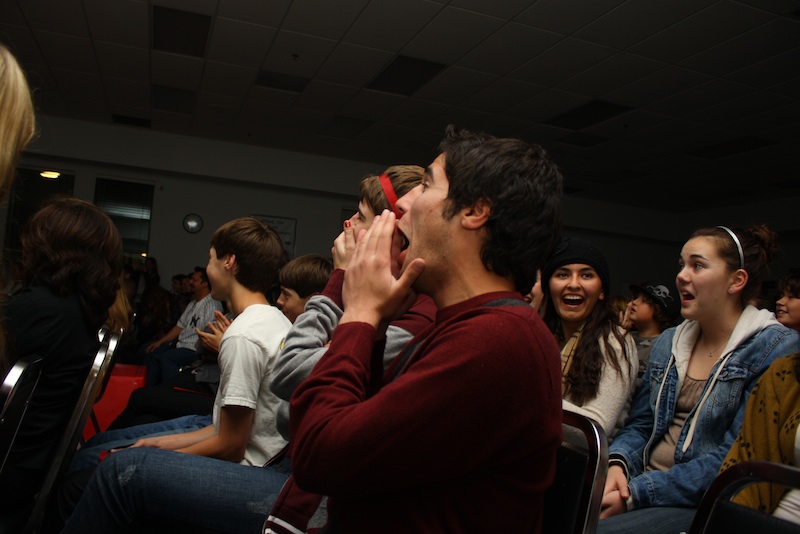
(691, 403)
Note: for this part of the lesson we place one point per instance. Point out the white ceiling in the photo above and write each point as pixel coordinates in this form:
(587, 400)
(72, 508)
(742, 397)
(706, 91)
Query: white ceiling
(712, 86)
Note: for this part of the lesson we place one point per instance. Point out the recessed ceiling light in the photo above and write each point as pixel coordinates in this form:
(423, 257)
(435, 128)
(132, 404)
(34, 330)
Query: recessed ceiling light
(50, 175)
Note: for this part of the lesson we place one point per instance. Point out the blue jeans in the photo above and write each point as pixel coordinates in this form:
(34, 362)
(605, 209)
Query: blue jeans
(164, 362)
(655, 520)
(138, 487)
(89, 454)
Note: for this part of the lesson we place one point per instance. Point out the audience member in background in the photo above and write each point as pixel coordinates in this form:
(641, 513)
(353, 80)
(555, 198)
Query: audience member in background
(15, 279)
(653, 309)
(73, 260)
(301, 279)
(162, 359)
(179, 299)
(787, 308)
(161, 483)
(770, 432)
(692, 400)
(120, 313)
(598, 358)
(618, 303)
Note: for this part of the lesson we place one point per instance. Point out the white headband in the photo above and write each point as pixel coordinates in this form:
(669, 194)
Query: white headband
(738, 245)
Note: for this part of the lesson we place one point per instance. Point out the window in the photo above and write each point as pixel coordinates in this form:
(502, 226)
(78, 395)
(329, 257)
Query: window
(128, 204)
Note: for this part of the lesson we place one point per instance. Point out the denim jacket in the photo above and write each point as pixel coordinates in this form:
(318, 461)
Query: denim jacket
(712, 425)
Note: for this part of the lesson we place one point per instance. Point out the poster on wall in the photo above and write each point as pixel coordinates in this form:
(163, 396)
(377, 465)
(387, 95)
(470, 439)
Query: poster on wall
(286, 228)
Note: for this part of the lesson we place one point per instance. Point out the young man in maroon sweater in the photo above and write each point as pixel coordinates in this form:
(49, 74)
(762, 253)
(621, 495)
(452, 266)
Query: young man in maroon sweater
(462, 431)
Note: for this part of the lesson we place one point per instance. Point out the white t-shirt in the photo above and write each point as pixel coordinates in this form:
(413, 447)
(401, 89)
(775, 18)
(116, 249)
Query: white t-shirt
(247, 354)
(789, 506)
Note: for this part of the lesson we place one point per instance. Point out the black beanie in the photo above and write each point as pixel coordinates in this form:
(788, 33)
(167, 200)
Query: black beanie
(576, 250)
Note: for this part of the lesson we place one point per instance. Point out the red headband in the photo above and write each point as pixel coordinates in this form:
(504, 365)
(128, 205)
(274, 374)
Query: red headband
(388, 190)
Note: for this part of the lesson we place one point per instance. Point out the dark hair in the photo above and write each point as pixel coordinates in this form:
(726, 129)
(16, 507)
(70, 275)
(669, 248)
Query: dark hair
(790, 284)
(307, 274)
(258, 249)
(523, 188)
(661, 318)
(759, 245)
(202, 271)
(71, 246)
(583, 379)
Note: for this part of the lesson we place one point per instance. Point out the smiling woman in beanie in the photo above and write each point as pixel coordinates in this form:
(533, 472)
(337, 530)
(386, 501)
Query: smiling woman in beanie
(598, 359)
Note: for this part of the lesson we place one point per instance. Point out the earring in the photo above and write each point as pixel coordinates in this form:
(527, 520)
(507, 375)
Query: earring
(730, 290)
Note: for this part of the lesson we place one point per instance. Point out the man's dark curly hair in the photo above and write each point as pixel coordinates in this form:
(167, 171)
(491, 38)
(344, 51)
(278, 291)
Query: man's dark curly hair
(71, 246)
(523, 188)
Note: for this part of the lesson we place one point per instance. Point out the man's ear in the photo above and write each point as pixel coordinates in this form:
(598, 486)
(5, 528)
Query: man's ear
(476, 216)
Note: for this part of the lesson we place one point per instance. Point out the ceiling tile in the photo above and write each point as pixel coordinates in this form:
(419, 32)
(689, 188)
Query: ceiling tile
(202, 7)
(505, 9)
(546, 105)
(239, 43)
(265, 13)
(296, 54)
(709, 27)
(257, 114)
(788, 88)
(454, 85)
(613, 73)
(123, 61)
(779, 7)
(390, 24)
(22, 43)
(739, 108)
(501, 95)
(175, 70)
(505, 126)
(775, 118)
(76, 84)
(634, 21)
(11, 14)
(626, 124)
(769, 72)
(415, 112)
(67, 52)
(562, 61)
(225, 79)
(88, 109)
(450, 35)
(40, 79)
(699, 97)
(660, 84)
(172, 122)
(748, 48)
(508, 48)
(323, 17)
(64, 17)
(353, 65)
(325, 97)
(565, 16)
(216, 107)
(119, 21)
(370, 105)
(128, 93)
(467, 118)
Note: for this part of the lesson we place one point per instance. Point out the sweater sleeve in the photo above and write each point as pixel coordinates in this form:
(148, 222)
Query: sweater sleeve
(346, 443)
(610, 407)
(304, 345)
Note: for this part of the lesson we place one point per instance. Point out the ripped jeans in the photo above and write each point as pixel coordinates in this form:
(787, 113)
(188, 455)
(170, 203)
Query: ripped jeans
(135, 490)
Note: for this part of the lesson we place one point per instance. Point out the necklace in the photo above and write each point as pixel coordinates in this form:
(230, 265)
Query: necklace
(711, 352)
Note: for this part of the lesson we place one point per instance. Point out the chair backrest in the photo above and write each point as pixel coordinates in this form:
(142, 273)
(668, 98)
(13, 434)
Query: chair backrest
(572, 504)
(72, 432)
(15, 394)
(717, 512)
(112, 340)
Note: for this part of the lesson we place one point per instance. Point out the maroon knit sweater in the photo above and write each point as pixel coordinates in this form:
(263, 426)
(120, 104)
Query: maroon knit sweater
(463, 440)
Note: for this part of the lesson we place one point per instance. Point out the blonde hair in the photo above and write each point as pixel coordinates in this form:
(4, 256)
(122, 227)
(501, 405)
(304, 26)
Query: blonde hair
(17, 126)
(17, 122)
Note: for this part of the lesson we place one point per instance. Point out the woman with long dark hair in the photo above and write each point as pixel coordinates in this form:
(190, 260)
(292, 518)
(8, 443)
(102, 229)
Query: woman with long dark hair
(598, 359)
